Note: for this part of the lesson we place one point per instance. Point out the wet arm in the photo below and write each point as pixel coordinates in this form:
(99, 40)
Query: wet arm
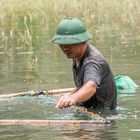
(85, 92)
(81, 95)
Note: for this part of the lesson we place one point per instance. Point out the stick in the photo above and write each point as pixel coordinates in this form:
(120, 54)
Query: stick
(36, 93)
(51, 122)
(13, 95)
(31, 93)
(58, 91)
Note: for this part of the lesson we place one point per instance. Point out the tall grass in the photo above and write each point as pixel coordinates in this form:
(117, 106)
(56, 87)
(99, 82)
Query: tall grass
(27, 25)
(22, 25)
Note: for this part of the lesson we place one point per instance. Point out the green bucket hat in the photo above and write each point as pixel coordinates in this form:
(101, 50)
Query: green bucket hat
(71, 31)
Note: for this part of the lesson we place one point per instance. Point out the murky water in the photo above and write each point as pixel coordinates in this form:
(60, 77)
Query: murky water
(53, 70)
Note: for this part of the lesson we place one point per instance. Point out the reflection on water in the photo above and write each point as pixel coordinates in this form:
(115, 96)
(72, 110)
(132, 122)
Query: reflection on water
(36, 132)
(19, 73)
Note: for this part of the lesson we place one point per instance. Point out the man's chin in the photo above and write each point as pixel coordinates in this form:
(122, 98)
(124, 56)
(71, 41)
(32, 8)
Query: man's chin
(69, 56)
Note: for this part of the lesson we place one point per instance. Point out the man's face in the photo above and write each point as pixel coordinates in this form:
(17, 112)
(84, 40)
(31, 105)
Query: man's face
(72, 50)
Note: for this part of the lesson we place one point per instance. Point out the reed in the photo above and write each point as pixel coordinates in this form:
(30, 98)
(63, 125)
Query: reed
(21, 26)
(26, 25)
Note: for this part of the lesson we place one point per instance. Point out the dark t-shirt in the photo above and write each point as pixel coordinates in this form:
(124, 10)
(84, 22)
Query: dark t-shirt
(94, 67)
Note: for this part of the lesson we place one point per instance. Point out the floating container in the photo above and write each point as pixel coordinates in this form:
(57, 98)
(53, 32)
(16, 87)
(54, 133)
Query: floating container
(125, 84)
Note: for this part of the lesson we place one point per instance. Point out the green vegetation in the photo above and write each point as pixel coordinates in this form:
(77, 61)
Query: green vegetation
(27, 25)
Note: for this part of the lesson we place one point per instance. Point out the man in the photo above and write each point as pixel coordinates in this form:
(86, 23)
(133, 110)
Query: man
(92, 75)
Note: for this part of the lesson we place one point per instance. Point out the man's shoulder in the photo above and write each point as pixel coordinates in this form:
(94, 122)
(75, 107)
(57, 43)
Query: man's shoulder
(94, 50)
(93, 55)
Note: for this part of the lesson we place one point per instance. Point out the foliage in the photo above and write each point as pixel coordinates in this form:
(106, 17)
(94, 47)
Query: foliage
(27, 25)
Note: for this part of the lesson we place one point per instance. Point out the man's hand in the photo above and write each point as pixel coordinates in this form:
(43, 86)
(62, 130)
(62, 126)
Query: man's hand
(80, 95)
(66, 100)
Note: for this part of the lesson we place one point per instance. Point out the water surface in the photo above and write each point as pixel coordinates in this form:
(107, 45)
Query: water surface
(28, 61)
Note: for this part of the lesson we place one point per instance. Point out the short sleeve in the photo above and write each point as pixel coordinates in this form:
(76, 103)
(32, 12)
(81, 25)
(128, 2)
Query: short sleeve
(92, 72)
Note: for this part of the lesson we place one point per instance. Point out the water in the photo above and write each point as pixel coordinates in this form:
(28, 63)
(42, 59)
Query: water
(40, 65)
(54, 71)
(41, 107)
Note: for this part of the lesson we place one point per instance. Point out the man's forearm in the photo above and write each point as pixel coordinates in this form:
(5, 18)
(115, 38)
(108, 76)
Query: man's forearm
(74, 90)
(77, 95)
(85, 92)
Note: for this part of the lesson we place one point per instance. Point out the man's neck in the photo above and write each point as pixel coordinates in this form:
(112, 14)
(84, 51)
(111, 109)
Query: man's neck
(78, 59)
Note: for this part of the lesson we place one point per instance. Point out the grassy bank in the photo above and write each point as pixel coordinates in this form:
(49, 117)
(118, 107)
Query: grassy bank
(27, 25)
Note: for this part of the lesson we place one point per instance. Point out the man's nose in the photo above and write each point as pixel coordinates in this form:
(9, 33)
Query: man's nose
(65, 47)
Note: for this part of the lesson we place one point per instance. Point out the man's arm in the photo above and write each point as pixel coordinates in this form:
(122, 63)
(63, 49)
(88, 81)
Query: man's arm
(81, 95)
(64, 97)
